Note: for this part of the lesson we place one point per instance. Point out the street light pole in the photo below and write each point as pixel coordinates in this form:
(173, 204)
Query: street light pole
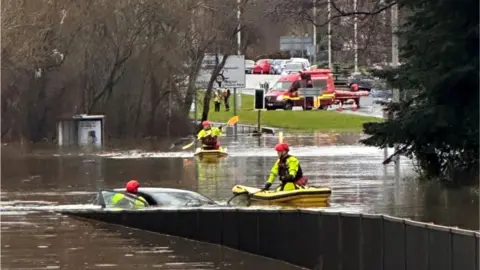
(396, 92)
(314, 58)
(239, 34)
(239, 52)
(355, 34)
(329, 10)
(394, 36)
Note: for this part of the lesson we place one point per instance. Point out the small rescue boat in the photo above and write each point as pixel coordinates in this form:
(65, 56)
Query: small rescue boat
(302, 197)
(211, 154)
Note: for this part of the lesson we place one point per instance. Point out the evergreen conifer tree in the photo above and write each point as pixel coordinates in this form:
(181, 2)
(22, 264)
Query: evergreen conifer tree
(438, 123)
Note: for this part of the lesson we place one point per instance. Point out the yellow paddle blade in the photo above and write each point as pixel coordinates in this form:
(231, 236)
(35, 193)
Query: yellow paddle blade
(233, 120)
(280, 137)
(188, 145)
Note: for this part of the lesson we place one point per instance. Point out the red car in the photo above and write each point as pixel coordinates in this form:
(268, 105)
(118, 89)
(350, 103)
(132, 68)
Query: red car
(262, 66)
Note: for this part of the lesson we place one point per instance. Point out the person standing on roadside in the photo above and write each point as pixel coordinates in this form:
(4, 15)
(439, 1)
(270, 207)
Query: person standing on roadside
(217, 99)
(226, 97)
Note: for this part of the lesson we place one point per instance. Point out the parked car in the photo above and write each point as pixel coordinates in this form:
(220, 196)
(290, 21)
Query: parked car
(278, 65)
(249, 64)
(364, 82)
(381, 95)
(293, 67)
(262, 66)
(304, 61)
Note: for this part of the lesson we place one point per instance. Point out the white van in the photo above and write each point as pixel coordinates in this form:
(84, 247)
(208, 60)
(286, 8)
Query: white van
(304, 61)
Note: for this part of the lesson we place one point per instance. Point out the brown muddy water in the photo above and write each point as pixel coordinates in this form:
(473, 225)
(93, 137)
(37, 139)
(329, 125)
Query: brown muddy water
(37, 180)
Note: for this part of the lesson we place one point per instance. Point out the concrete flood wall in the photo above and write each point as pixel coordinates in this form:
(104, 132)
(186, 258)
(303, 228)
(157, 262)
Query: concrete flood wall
(314, 239)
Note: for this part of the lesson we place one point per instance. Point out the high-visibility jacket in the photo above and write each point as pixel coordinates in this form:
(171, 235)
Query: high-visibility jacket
(119, 199)
(209, 137)
(216, 97)
(286, 166)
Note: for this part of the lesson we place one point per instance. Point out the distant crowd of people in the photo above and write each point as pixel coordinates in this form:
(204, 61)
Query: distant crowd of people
(219, 95)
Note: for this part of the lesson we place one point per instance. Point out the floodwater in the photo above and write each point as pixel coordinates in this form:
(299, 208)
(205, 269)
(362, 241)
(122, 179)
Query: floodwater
(46, 178)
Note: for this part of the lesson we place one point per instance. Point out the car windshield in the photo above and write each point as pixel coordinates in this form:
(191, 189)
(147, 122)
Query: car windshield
(281, 86)
(294, 66)
(126, 202)
(181, 199)
(319, 83)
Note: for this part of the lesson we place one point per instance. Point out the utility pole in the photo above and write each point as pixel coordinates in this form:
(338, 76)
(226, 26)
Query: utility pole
(355, 34)
(239, 34)
(314, 58)
(239, 52)
(329, 10)
(396, 92)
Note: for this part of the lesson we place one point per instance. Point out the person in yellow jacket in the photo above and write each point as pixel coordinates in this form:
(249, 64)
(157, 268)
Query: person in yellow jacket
(217, 100)
(209, 136)
(288, 169)
(119, 199)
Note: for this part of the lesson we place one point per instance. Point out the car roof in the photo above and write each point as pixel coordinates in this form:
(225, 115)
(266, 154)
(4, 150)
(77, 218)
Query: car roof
(155, 190)
(289, 77)
(299, 60)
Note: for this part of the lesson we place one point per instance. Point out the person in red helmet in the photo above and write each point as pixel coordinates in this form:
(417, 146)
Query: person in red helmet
(354, 87)
(288, 169)
(209, 136)
(119, 199)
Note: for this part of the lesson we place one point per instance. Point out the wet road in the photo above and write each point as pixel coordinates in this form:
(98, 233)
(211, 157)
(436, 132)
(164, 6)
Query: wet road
(46, 178)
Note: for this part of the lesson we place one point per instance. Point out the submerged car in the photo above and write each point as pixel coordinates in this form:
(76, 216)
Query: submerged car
(156, 197)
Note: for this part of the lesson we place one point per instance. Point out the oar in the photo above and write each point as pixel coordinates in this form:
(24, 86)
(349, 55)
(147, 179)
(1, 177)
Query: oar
(231, 121)
(280, 137)
(178, 141)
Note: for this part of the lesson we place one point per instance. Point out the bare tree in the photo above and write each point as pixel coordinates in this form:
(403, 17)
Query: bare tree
(137, 62)
(373, 19)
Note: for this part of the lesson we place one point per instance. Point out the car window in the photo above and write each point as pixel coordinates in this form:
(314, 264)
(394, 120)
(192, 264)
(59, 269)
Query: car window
(180, 199)
(249, 62)
(127, 202)
(281, 86)
(319, 83)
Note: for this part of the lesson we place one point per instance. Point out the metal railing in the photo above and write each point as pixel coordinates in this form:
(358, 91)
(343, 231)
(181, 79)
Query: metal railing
(244, 129)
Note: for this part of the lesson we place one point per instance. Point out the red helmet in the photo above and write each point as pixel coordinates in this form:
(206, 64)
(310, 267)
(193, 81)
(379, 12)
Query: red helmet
(354, 87)
(282, 147)
(206, 124)
(132, 186)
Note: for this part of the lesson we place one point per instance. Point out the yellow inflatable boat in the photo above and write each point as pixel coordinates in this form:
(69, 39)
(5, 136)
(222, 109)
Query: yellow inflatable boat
(211, 154)
(303, 197)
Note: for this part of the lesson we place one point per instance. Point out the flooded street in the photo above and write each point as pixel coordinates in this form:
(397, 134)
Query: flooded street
(47, 178)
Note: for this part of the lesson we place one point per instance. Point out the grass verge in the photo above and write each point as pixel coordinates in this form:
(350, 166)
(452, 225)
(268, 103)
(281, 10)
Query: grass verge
(315, 120)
